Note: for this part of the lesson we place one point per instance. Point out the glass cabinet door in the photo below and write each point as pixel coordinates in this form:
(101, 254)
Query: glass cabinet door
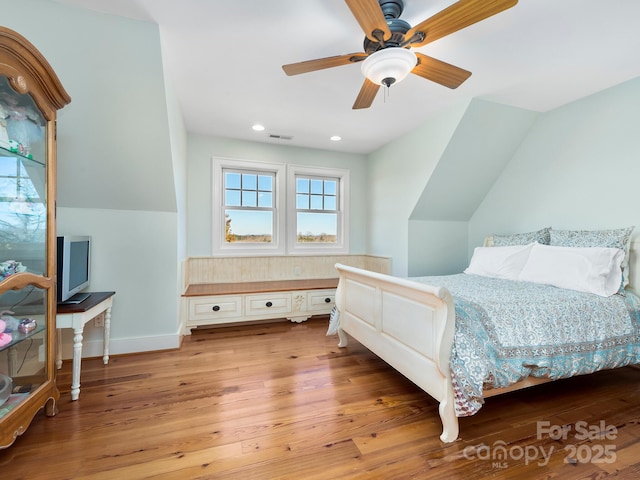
(23, 247)
(23, 366)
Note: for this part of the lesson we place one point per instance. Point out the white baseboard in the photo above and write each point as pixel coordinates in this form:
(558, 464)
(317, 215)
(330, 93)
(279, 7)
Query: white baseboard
(120, 346)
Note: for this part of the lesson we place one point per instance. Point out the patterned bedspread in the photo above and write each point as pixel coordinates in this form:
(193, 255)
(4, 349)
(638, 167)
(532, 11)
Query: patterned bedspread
(508, 330)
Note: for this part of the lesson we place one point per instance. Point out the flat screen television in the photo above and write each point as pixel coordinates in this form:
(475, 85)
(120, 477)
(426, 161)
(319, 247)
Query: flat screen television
(74, 267)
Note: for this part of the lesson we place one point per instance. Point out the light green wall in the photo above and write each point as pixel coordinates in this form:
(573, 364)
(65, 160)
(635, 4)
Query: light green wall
(178, 137)
(115, 131)
(115, 165)
(578, 168)
(133, 254)
(397, 175)
(437, 247)
(483, 143)
(201, 151)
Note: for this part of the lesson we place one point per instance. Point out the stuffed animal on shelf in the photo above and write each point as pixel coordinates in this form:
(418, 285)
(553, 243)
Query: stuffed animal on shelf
(11, 324)
(5, 338)
(10, 267)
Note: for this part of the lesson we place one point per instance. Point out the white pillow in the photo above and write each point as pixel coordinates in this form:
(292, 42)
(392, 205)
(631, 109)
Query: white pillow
(499, 262)
(586, 269)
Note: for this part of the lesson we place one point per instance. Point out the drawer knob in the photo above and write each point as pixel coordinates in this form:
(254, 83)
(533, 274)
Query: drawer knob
(327, 300)
(216, 308)
(269, 304)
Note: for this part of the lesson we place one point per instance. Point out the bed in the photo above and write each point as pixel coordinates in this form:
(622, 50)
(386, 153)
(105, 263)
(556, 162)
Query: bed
(524, 313)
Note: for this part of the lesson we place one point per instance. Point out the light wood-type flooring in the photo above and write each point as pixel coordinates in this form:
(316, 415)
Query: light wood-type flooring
(282, 401)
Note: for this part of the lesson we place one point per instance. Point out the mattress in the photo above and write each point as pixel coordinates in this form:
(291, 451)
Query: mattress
(507, 330)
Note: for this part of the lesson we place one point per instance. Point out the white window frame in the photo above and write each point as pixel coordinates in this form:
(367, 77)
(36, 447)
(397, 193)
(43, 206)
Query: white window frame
(285, 235)
(342, 239)
(220, 246)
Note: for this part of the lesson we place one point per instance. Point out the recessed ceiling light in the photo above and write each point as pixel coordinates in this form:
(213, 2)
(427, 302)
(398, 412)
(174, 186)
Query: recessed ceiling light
(335, 138)
(258, 128)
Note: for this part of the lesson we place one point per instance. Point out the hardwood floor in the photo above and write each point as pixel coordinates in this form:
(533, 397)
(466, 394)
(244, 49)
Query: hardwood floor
(282, 401)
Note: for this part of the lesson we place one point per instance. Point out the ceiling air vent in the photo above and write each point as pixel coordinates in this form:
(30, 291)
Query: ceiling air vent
(280, 137)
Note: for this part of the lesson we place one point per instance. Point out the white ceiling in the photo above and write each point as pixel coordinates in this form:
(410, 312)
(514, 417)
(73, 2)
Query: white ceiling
(224, 58)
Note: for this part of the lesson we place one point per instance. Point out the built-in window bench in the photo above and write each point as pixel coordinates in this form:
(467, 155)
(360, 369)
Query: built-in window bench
(222, 290)
(295, 300)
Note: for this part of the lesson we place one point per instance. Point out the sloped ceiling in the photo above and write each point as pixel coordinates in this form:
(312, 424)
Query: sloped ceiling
(480, 147)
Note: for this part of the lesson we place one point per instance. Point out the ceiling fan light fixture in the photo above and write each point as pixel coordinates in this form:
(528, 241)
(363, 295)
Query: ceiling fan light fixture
(389, 66)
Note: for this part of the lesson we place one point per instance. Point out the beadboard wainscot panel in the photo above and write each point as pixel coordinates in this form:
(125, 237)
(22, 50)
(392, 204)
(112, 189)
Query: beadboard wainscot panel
(203, 270)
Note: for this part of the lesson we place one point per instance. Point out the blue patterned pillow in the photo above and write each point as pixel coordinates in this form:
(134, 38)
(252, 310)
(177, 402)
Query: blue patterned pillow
(615, 238)
(540, 236)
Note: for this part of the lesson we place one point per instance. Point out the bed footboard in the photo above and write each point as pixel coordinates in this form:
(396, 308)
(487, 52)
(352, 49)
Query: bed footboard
(408, 324)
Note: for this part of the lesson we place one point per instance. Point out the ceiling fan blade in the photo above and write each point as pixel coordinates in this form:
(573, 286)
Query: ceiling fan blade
(370, 17)
(440, 72)
(321, 63)
(367, 95)
(456, 17)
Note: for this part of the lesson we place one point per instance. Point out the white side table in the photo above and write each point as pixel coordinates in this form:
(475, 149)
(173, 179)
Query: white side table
(75, 316)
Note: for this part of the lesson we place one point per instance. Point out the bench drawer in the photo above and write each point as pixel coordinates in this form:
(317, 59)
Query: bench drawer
(218, 308)
(321, 301)
(268, 304)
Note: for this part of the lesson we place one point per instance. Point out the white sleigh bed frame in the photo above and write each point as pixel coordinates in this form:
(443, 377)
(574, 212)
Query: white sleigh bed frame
(411, 326)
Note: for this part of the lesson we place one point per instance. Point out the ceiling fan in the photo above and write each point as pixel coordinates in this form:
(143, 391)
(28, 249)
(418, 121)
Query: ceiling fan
(387, 56)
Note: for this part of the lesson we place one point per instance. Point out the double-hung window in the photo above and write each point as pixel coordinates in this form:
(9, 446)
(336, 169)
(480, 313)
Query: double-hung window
(318, 210)
(267, 208)
(249, 208)
(247, 198)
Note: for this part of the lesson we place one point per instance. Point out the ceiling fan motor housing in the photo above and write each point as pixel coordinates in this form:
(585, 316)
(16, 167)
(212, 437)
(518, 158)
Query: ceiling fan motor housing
(398, 28)
(391, 8)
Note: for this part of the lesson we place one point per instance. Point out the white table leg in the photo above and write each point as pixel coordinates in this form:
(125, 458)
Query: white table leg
(77, 362)
(107, 335)
(59, 349)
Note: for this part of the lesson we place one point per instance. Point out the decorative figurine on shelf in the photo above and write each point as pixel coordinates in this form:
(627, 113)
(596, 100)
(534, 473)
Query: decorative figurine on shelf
(27, 325)
(15, 147)
(10, 267)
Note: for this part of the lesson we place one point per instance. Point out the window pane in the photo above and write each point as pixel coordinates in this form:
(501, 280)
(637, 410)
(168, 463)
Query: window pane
(249, 226)
(249, 199)
(316, 186)
(302, 185)
(7, 167)
(8, 187)
(265, 183)
(302, 202)
(317, 227)
(330, 187)
(232, 198)
(316, 202)
(330, 203)
(232, 180)
(265, 199)
(249, 181)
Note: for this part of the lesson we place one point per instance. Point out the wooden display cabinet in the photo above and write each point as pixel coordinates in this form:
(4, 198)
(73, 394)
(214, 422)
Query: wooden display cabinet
(30, 95)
